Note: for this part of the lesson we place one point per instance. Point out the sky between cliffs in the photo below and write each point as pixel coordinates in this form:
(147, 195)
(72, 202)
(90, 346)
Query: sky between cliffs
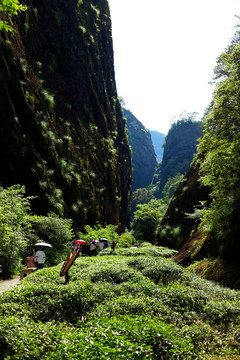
(165, 52)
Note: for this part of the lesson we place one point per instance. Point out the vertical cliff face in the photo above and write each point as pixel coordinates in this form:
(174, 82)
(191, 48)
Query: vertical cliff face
(62, 133)
(143, 154)
(180, 146)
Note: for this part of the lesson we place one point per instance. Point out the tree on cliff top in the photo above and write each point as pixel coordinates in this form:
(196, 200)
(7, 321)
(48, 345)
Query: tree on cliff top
(179, 148)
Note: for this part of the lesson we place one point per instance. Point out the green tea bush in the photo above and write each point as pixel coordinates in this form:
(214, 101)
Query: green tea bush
(129, 304)
(115, 274)
(158, 270)
(116, 307)
(116, 338)
(222, 312)
(151, 250)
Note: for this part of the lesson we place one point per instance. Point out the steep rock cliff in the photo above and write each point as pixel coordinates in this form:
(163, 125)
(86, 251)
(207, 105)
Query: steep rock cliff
(62, 133)
(208, 256)
(158, 140)
(179, 148)
(143, 154)
(176, 226)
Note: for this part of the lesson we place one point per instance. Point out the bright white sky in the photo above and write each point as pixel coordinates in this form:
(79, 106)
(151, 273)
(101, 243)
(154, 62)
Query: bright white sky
(165, 52)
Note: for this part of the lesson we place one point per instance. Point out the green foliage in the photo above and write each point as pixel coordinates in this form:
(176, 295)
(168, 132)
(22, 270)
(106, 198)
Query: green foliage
(125, 240)
(135, 307)
(147, 219)
(97, 232)
(10, 7)
(19, 231)
(144, 249)
(13, 227)
(49, 97)
(219, 153)
(170, 187)
(54, 230)
(141, 196)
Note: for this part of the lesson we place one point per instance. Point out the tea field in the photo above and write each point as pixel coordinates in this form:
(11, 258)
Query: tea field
(133, 304)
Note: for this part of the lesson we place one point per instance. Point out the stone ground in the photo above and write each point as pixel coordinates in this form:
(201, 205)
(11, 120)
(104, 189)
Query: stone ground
(7, 284)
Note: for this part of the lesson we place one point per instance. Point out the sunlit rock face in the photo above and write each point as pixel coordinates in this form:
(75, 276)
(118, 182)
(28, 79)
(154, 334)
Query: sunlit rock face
(62, 132)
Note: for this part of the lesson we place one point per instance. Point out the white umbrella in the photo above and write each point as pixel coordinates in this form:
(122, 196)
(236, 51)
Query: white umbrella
(43, 244)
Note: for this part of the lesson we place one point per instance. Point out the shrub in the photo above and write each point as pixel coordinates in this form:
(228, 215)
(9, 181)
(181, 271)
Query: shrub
(145, 224)
(54, 230)
(125, 240)
(13, 227)
(114, 274)
(97, 232)
(152, 250)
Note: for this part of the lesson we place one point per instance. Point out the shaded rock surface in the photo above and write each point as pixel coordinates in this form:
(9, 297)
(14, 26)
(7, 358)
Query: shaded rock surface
(143, 154)
(158, 141)
(62, 132)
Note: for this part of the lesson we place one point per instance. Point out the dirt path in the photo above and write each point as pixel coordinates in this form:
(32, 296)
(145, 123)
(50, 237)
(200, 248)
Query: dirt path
(8, 284)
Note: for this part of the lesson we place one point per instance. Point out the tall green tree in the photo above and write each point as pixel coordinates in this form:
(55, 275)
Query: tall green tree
(219, 154)
(147, 219)
(14, 207)
(220, 145)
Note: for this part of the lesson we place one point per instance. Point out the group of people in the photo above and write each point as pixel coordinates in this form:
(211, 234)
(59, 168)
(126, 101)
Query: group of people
(39, 258)
(96, 246)
(36, 261)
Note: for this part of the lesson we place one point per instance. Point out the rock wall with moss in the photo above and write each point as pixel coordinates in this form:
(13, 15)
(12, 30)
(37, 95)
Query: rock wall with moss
(62, 132)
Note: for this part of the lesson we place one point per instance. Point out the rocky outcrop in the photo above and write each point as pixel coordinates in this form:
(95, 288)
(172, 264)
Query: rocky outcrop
(210, 257)
(179, 148)
(176, 226)
(62, 132)
(143, 154)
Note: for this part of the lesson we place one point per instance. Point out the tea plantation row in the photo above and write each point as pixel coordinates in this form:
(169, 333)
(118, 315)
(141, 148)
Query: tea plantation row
(139, 305)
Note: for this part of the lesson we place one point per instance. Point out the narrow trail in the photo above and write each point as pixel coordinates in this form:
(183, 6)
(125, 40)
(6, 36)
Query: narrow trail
(8, 284)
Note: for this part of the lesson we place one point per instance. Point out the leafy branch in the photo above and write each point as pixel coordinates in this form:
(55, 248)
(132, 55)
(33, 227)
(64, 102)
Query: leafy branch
(10, 7)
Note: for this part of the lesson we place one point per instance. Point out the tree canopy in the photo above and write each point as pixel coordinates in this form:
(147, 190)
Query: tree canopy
(219, 153)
